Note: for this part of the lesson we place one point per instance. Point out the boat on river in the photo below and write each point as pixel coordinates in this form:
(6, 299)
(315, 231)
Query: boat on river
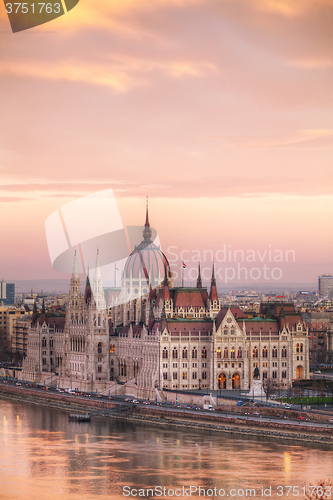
(79, 417)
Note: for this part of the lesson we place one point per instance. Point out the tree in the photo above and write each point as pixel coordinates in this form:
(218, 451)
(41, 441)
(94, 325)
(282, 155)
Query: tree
(269, 386)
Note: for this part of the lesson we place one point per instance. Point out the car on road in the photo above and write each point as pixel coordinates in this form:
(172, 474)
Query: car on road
(287, 406)
(135, 401)
(18, 383)
(302, 418)
(146, 402)
(188, 407)
(128, 400)
(195, 408)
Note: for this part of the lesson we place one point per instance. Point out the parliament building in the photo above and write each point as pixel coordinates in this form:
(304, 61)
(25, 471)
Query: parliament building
(156, 336)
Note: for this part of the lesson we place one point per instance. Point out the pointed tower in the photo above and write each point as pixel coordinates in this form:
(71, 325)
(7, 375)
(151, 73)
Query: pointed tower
(147, 231)
(87, 291)
(75, 286)
(199, 282)
(213, 289)
(97, 287)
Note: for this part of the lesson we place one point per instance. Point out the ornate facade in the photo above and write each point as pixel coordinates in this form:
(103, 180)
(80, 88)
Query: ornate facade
(183, 339)
(156, 336)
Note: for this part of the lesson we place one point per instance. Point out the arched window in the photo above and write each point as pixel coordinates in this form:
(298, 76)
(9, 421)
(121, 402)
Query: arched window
(301, 348)
(184, 375)
(99, 348)
(264, 352)
(194, 353)
(255, 352)
(232, 353)
(174, 353)
(297, 347)
(225, 354)
(184, 353)
(128, 315)
(204, 352)
(219, 353)
(274, 352)
(239, 354)
(283, 352)
(165, 353)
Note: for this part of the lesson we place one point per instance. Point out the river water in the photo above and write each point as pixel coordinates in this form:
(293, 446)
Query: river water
(44, 456)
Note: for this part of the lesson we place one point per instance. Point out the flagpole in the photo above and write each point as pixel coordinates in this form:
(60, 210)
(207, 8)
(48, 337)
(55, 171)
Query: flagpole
(182, 276)
(115, 277)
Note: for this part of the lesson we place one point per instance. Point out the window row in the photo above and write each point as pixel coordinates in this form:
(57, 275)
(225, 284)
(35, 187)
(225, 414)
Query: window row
(184, 353)
(255, 352)
(226, 353)
(184, 375)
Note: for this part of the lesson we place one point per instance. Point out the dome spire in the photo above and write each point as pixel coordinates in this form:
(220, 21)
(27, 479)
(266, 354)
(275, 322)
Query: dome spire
(147, 230)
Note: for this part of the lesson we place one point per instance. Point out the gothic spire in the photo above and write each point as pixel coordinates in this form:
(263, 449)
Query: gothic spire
(75, 268)
(199, 282)
(147, 231)
(213, 289)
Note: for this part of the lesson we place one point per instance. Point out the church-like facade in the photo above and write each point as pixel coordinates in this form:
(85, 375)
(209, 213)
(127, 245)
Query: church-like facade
(156, 336)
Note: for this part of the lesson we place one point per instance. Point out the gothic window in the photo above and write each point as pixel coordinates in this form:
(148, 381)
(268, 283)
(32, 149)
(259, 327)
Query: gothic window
(165, 353)
(218, 353)
(174, 375)
(284, 374)
(274, 352)
(204, 375)
(274, 374)
(165, 375)
(297, 347)
(194, 353)
(255, 352)
(204, 353)
(174, 353)
(284, 352)
(128, 315)
(264, 352)
(226, 331)
(232, 331)
(99, 348)
(99, 369)
(239, 354)
(264, 375)
(184, 375)
(225, 354)
(184, 354)
(232, 353)
(44, 342)
(301, 348)
(194, 375)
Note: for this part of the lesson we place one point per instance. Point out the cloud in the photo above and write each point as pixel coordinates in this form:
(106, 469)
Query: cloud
(12, 199)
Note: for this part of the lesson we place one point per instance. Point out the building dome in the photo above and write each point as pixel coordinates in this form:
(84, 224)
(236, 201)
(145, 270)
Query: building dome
(147, 262)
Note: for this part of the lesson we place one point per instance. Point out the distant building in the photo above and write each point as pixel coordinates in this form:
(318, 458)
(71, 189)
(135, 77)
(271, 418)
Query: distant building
(325, 284)
(7, 293)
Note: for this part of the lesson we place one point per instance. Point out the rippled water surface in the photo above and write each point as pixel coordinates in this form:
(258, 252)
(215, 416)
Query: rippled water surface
(43, 456)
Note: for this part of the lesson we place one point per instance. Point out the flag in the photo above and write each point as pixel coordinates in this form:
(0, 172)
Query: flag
(117, 269)
(184, 265)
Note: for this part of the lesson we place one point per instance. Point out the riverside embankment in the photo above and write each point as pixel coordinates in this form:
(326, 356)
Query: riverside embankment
(170, 418)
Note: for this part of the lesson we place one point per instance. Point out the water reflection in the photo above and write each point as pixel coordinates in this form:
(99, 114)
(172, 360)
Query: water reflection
(45, 456)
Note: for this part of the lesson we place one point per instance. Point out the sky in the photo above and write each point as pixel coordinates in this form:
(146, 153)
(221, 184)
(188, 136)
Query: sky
(220, 111)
